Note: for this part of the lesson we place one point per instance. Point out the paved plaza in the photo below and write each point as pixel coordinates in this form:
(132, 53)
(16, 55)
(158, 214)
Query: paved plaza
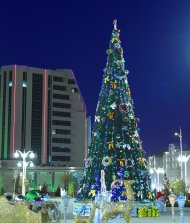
(165, 217)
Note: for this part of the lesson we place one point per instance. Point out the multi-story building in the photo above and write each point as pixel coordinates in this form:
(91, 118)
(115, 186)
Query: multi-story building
(42, 110)
(169, 162)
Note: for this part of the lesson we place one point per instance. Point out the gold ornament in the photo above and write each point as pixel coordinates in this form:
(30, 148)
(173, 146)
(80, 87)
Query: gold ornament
(114, 84)
(111, 115)
(92, 192)
(142, 161)
(150, 196)
(110, 145)
(121, 161)
(124, 193)
(128, 93)
(107, 79)
(114, 39)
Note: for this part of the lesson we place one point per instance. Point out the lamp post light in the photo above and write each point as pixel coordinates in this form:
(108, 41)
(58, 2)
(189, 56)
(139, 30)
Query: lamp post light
(158, 171)
(181, 203)
(24, 165)
(184, 159)
(180, 137)
(172, 198)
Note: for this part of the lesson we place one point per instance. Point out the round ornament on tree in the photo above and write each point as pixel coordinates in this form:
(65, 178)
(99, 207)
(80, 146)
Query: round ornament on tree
(106, 161)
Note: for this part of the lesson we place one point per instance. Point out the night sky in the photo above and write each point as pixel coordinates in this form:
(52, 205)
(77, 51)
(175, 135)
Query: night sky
(155, 36)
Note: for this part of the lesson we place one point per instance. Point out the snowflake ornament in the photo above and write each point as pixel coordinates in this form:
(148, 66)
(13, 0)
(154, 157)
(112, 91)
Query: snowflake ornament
(97, 118)
(113, 106)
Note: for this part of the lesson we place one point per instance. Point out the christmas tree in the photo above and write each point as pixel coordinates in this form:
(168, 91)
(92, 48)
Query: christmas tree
(166, 187)
(116, 147)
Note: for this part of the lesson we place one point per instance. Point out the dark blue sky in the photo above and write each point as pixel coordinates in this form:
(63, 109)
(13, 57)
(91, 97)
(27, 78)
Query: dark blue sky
(155, 37)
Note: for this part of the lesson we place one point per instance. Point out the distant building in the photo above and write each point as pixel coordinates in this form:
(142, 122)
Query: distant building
(42, 110)
(169, 162)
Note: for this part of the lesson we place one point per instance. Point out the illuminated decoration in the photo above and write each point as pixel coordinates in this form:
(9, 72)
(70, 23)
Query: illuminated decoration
(45, 120)
(111, 115)
(14, 114)
(106, 161)
(116, 145)
(88, 162)
(107, 79)
(110, 145)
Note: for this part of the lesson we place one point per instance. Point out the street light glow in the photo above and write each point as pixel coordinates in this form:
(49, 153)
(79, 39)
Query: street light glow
(31, 164)
(19, 164)
(32, 155)
(16, 154)
(158, 171)
(184, 159)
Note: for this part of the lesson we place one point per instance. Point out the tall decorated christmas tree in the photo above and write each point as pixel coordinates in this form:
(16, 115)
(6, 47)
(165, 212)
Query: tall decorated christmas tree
(116, 147)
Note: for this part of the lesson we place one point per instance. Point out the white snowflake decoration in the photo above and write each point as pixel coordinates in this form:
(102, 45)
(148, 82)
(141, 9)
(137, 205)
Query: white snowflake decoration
(113, 106)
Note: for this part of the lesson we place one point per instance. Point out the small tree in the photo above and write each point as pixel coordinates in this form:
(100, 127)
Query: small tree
(166, 186)
(44, 188)
(71, 189)
(2, 191)
(178, 187)
(58, 192)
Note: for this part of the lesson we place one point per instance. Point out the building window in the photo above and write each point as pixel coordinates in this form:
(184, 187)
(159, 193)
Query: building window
(61, 140)
(24, 76)
(61, 158)
(59, 88)
(63, 131)
(71, 81)
(10, 78)
(57, 79)
(61, 105)
(61, 149)
(53, 131)
(61, 96)
(62, 123)
(74, 90)
(10, 75)
(24, 84)
(61, 114)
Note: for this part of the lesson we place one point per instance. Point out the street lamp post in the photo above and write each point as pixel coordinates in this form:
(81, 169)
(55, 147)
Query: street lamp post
(158, 171)
(24, 165)
(172, 199)
(65, 200)
(180, 137)
(184, 159)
